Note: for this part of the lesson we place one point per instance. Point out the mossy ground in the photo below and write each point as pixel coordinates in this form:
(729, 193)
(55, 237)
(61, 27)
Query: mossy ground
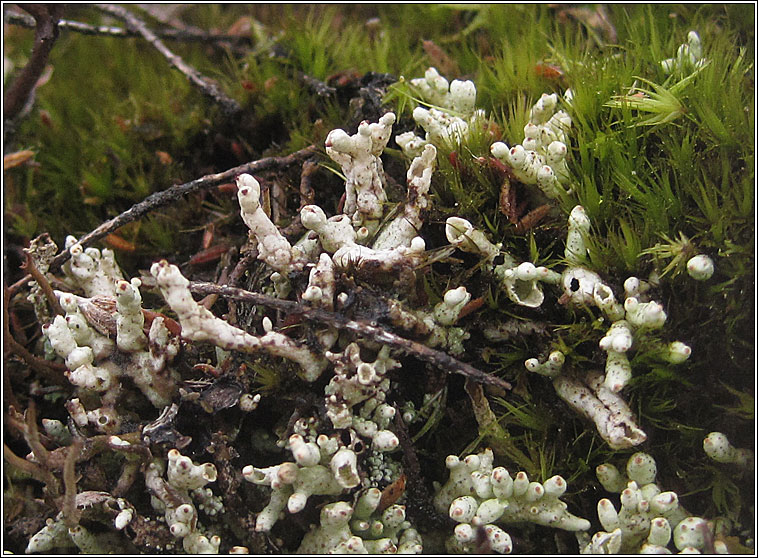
(114, 123)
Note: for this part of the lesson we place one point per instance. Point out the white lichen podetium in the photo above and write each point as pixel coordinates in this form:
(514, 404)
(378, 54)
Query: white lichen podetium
(359, 157)
(311, 475)
(183, 478)
(55, 535)
(718, 448)
(337, 235)
(95, 272)
(358, 382)
(581, 286)
(541, 158)
(403, 229)
(112, 308)
(458, 96)
(700, 267)
(462, 234)
(130, 319)
(522, 282)
(447, 312)
(618, 369)
(550, 368)
(612, 416)
(81, 370)
(648, 519)
(397, 245)
(362, 529)
(449, 119)
(576, 238)
(273, 248)
(199, 324)
(689, 56)
(478, 495)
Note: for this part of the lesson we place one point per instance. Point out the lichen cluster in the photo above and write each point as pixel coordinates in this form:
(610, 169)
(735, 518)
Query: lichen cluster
(372, 313)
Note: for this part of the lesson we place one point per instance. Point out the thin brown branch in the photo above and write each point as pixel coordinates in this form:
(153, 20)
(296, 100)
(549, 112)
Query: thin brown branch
(494, 434)
(129, 474)
(20, 284)
(32, 469)
(210, 89)
(51, 370)
(93, 446)
(31, 435)
(71, 513)
(382, 336)
(44, 285)
(185, 35)
(418, 500)
(174, 193)
(46, 18)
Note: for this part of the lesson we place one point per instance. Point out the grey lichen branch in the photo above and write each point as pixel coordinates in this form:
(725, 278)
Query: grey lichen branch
(382, 336)
(229, 105)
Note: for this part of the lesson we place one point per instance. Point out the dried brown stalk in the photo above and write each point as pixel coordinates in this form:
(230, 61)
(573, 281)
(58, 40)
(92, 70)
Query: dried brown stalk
(44, 285)
(186, 34)
(71, 514)
(494, 434)
(46, 18)
(174, 193)
(32, 469)
(208, 87)
(52, 370)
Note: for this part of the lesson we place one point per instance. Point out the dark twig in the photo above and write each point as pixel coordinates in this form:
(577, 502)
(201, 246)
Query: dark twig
(185, 35)
(42, 456)
(174, 193)
(46, 18)
(44, 285)
(307, 196)
(419, 502)
(71, 514)
(317, 86)
(32, 469)
(52, 370)
(382, 336)
(229, 105)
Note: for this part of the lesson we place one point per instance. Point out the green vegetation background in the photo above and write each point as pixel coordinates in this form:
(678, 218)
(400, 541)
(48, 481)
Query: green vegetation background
(114, 123)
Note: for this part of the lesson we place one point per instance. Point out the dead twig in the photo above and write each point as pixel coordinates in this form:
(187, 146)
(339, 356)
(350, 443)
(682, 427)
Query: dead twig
(52, 370)
(317, 86)
(174, 193)
(42, 281)
(46, 18)
(494, 434)
(307, 197)
(382, 336)
(419, 501)
(229, 105)
(71, 514)
(184, 35)
(32, 469)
